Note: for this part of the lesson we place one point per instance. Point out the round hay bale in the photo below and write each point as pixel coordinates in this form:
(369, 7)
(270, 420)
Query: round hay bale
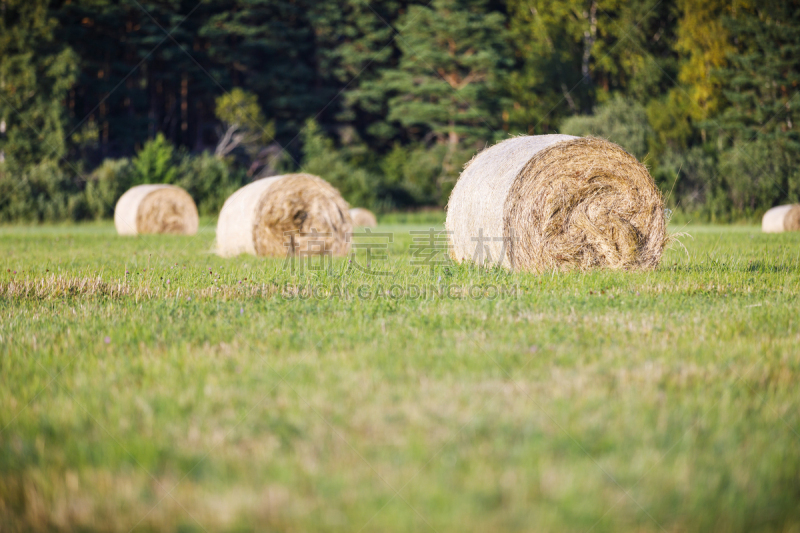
(273, 216)
(156, 209)
(781, 218)
(539, 203)
(363, 217)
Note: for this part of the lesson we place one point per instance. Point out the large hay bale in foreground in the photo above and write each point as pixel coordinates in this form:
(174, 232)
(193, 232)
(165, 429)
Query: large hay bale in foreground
(156, 209)
(272, 216)
(363, 217)
(539, 203)
(781, 218)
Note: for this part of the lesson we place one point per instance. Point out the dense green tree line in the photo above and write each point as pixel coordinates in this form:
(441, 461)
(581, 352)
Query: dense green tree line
(388, 99)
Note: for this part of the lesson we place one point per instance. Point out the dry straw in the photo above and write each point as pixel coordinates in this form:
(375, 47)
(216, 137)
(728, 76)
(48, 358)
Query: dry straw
(781, 218)
(156, 209)
(363, 217)
(557, 202)
(294, 212)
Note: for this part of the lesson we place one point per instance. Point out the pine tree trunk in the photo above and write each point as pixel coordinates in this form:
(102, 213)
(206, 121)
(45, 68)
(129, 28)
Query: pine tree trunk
(184, 105)
(589, 37)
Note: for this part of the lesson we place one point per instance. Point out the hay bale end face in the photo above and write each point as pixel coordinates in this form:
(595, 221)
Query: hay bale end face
(557, 202)
(156, 209)
(293, 212)
(781, 218)
(363, 217)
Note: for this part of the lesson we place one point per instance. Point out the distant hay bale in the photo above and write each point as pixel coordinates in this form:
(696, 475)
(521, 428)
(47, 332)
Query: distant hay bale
(363, 217)
(273, 216)
(557, 202)
(781, 218)
(156, 209)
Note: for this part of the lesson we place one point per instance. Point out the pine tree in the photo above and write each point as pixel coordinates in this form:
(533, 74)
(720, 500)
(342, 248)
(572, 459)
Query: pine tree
(266, 48)
(572, 55)
(762, 88)
(354, 42)
(136, 80)
(446, 86)
(762, 84)
(35, 73)
(155, 163)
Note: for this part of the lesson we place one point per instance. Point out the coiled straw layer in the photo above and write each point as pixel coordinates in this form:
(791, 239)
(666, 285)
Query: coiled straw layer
(363, 217)
(156, 209)
(293, 213)
(781, 218)
(557, 202)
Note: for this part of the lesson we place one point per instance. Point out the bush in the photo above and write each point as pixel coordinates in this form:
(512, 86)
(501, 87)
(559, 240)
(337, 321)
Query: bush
(209, 180)
(619, 120)
(415, 175)
(759, 175)
(688, 178)
(15, 197)
(40, 193)
(321, 158)
(104, 187)
(155, 162)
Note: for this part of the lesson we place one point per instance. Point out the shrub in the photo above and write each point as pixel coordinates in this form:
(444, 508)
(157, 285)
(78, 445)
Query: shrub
(39, 193)
(15, 197)
(155, 162)
(759, 175)
(321, 158)
(620, 120)
(688, 178)
(209, 180)
(416, 175)
(104, 187)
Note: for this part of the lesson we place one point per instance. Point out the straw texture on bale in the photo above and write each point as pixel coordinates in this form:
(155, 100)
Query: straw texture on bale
(273, 216)
(557, 202)
(781, 218)
(156, 209)
(363, 217)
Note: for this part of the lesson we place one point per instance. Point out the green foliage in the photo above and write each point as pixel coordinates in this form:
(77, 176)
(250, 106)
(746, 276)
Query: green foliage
(671, 118)
(573, 55)
(106, 184)
(321, 158)
(703, 39)
(414, 174)
(155, 163)
(759, 174)
(761, 83)
(240, 108)
(243, 120)
(446, 84)
(47, 188)
(15, 197)
(355, 42)
(761, 121)
(209, 180)
(407, 90)
(620, 120)
(445, 94)
(35, 74)
(690, 181)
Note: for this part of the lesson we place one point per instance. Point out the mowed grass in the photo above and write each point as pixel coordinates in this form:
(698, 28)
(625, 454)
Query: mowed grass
(148, 385)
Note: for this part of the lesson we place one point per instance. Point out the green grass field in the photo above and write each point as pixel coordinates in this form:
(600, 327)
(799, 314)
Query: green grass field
(148, 385)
